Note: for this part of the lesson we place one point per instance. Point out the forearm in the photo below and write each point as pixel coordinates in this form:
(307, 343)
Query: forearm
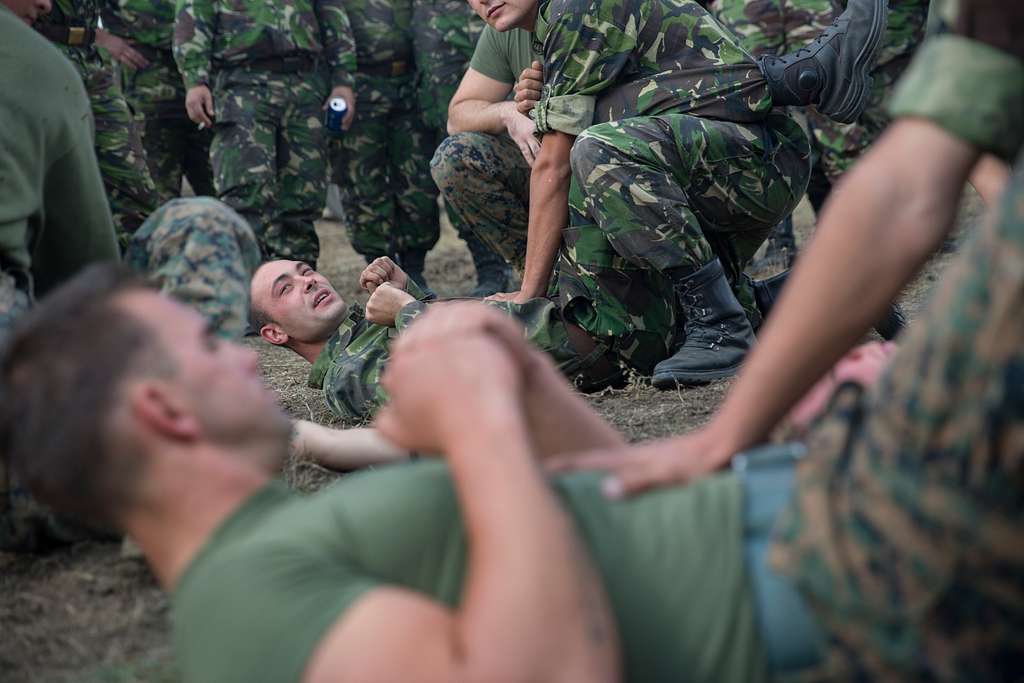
(479, 116)
(989, 178)
(888, 216)
(533, 607)
(343, 449)
(549, 212)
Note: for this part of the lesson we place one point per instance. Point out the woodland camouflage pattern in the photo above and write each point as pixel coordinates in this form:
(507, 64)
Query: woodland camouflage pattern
(381, 164)
(444, 34)
(648, 57)
(657, 195)
(774, 27)
(156, 95)
(203, 254)
(119, 151)
(485, 182)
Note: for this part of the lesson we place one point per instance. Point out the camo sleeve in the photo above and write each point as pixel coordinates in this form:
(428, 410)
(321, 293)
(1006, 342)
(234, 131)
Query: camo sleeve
(193, 40)
(338, 41)
(972, 90)
(586, 47)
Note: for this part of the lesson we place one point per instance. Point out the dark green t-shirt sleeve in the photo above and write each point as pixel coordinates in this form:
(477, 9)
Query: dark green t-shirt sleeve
(256, 613)
(492, 58)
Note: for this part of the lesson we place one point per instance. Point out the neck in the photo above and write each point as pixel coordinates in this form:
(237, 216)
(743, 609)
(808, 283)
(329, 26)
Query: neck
(188, 508)
(530, 20)
(308, 350)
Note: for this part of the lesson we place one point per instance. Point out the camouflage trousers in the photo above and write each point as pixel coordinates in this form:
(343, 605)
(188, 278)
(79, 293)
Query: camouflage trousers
(119, 152)
(197, 250)
(653, 198)
(485, 182)
(444, 37)
(174, 145)
(774, 27)
(269, 156)
(382, 167)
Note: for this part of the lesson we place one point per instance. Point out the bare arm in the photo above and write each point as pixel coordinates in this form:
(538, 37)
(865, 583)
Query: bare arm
(479, 105)
(532, 607)
(989, 178)
(343, 449)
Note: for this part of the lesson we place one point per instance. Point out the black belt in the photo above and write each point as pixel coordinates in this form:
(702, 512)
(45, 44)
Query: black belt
(280, 65)
(396, 68)
(75, 36)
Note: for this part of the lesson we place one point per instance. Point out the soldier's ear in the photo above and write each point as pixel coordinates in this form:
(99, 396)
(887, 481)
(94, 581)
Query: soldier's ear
(274, 334)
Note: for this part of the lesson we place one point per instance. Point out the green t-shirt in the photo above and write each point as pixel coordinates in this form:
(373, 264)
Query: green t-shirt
(263, 591)
(54, 216)
(503, 56)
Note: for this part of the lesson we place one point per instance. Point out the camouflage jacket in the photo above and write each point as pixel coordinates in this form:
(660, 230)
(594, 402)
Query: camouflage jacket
(349, 367)
(75, 13)
(146, 22)
(218, 34)
(615, 59)
(382, 31)
(904, 533)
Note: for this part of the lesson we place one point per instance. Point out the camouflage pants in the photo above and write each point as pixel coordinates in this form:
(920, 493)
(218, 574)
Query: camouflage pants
(174, 146)
(382, 167)
(653, 195)
(485, 182)
(197, 250)
(444, 36)
(119, 152)
(268, 156)
(774, 27)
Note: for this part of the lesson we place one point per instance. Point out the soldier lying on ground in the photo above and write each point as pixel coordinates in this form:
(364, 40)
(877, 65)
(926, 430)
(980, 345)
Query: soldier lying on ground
(491, 572)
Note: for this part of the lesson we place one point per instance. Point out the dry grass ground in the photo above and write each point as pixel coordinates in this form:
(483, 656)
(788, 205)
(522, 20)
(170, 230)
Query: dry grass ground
(87, 614)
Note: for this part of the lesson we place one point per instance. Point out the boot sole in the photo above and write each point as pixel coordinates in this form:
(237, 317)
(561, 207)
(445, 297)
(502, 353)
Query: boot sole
(676, 380)
(856, 99)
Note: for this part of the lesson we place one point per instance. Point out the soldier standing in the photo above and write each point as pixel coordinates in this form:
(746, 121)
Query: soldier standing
(154, 91)
(260, 74)
(445, 34)
(72, 26)
(382, 163)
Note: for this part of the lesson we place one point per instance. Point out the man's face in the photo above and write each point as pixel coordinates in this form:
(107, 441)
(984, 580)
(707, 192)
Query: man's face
(216, 382)
(505, 15)
(301, 302)
(28, 10)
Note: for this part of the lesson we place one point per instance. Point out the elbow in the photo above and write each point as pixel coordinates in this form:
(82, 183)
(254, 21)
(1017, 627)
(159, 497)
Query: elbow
(552, 169)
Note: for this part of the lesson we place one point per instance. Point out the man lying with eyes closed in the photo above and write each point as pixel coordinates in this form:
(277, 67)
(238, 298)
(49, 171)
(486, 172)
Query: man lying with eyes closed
(348, 346)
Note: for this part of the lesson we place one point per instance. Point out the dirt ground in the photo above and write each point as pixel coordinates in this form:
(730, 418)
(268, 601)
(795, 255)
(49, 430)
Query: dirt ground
(88, 614)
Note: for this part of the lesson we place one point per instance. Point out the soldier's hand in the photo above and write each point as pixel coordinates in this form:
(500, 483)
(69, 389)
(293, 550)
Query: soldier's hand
(345, 93)
(520, 128)
(199, 105)
(384, 304)
(528, 88)
(121, 50)
(382, 270)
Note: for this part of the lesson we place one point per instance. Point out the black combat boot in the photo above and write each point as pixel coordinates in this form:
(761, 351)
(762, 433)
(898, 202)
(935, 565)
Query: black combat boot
(717, 332)
(780, 248)
(767, 292)
(832, 71)
(492, 273)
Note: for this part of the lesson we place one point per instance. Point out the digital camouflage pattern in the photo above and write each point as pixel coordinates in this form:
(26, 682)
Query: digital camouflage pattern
(621, 58)
(658, 196)
(774, 27)
(203, 254)
(119, 150)
(156, 95)
(269, 156)
(485, 182)
(840, 145)
(211, 36)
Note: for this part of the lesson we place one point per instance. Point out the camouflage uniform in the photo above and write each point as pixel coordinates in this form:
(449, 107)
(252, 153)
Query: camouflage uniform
(349, 367)
(840, 145)
(174, 146)
(701, 169)
(905, 531)
(381, 164)
(774, 27)
(202, 253)
(119, 151)
(265, 64)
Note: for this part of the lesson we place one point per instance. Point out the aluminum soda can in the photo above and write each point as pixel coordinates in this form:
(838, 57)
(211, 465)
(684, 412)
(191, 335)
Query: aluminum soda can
(336, 110)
